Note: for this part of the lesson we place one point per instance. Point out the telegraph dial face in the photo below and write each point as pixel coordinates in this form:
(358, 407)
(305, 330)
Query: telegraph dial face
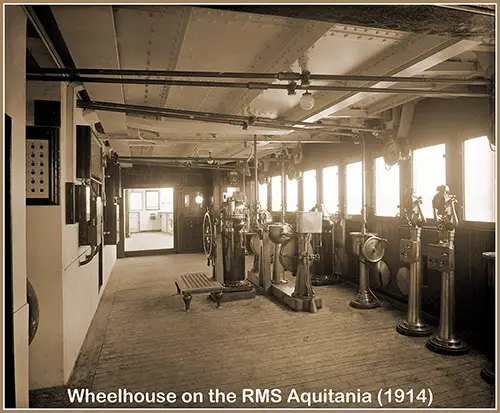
(288, 255)
(292, 172)
(392, 153)
(373, 249)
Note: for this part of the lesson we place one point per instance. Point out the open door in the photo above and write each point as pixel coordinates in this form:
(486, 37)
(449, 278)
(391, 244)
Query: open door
(149, 221)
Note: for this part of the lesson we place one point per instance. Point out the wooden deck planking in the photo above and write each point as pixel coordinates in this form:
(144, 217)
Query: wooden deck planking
(150, 343)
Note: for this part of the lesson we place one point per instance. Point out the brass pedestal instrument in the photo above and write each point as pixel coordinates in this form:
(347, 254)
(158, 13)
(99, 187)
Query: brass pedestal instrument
(224, 245)
(297, 256)
(369, 248)
(441, 257)
(410, 252)
(260, 246)
(323, 271)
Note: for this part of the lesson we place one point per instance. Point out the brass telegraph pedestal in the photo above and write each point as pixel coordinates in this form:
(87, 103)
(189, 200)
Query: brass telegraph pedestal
(410, 252)
(260, 246)
(441, 257)
(368, 248)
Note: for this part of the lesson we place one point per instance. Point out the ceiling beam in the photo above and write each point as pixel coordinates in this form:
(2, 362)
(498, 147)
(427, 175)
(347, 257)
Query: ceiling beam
(452, 68)
(410, 59)
(420, 19)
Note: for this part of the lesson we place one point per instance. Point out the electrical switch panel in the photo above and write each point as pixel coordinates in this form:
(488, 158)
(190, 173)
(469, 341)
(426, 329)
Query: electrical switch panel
(42, 165)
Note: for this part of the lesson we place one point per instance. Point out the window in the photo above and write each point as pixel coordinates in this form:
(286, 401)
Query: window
(354, 177)
(292, 195)
(429, 171)
(309, 186)
(152, 200)
(276, 193)
(167, 199)
(479, 180)
(136, 201)
(386, 189)
(230, 190)
(331, 189)
(263, 196)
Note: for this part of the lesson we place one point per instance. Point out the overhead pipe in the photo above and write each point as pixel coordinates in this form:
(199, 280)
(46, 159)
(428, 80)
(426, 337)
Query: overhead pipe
(166, 113)
(180, 165)
(180, 158)
(95, 104)
(169, 141)
(291, 88)
(284, 76)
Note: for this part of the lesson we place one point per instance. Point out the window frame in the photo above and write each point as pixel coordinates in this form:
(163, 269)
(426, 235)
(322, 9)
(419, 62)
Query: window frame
(339, 195)
(148, 207)
(374, 206)
(464, 223)
(266, 185)
(281, 195)
(141, 193)
(354, 217)
(431, 222)
(303, 189)
(286, 192)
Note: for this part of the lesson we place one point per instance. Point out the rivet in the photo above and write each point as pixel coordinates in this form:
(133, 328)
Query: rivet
(359, 37)
(346, 35)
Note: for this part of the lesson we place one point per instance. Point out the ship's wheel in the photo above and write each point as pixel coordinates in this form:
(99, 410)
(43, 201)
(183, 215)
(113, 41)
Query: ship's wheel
(208, 235)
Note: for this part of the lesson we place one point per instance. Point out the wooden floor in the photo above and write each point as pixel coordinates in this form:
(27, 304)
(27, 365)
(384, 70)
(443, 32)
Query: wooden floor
(141, 340)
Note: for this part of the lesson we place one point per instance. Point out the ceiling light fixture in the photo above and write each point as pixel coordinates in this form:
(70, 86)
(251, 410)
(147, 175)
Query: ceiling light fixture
(307, 101)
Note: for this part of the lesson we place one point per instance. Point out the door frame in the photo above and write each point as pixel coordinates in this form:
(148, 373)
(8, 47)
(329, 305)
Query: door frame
(181, 217)
(125, 226)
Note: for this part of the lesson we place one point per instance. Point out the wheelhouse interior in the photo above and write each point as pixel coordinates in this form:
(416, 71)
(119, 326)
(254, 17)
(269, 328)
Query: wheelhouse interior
(240, 197)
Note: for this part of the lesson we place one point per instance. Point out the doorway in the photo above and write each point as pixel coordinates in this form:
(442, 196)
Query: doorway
(149, 221)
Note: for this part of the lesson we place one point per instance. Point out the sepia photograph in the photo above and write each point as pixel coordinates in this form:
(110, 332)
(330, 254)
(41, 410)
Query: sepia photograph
(249, 206)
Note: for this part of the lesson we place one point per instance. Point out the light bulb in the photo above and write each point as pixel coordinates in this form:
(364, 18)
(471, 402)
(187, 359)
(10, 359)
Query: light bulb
(198, 199)
(307, 101)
